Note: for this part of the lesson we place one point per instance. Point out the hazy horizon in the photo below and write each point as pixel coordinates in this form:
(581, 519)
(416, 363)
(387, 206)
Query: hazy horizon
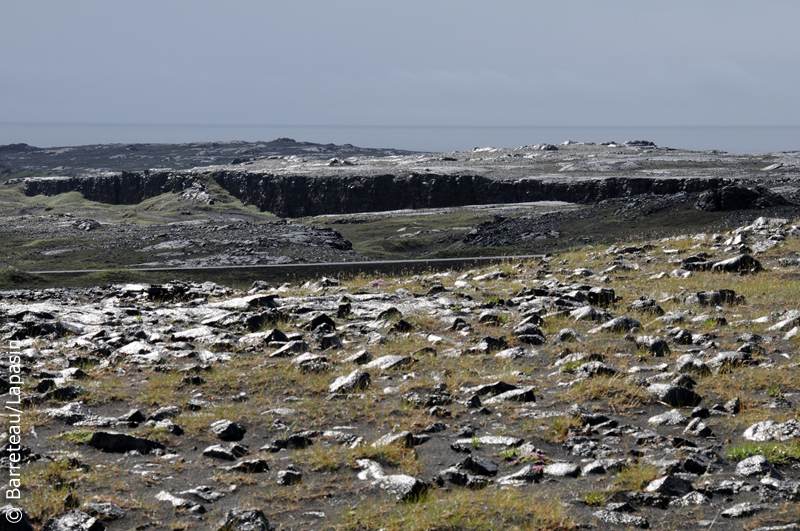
(413, 64)
(763, 139)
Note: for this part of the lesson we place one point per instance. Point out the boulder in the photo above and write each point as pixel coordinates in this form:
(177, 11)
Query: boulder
(228, 430)
(620, 324)
(241, 519)
(743, 263)
(109, 441)
(73, 521)
(674, 395)
(357, 380)
(769, 430)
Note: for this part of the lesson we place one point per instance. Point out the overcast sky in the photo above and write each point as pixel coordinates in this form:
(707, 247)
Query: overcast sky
(406, 62)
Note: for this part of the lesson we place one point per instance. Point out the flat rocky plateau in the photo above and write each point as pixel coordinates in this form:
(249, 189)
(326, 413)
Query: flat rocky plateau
(643, 373)
(284, 202)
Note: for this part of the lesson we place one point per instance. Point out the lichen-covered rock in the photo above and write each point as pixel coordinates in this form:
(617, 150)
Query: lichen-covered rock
(357, 380)
(241, 519)
(769, 430)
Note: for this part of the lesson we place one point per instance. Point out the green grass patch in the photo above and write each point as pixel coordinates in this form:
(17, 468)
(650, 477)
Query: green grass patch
(595, 498)
(77, 436)
(776, 453)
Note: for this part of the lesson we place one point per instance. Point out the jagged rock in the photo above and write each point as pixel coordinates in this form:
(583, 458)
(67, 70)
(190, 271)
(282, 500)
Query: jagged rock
(108, 441)
(726, 360)
(514, 353)
(309, 362)
(589, 313)
(586, 417)
(291, 348)
(525, 394)
(779, 490)
(562, 470)
(168, 412)
(619, 324)
(566, 335)
(404, 439)
(757, 465)
(359, 358)
(70, 413)
(228, 430)
(490, 440)
(698, 428)
(355, 381)
(646, 305)
(714, 298)
(581, 446)
(291, 476)
(479, 465)
(624, 519)
(733, 405)
(250, 466)
(241, 519)
(601, 296)
(690, 364)
(576, 358)
(493, 389)
(488, 344)
(673, 417)
(295, 441)
(389, 362)
(527, 474)
(229, 453)
(592, 369)
(203, 493)
(669, 486)
(743, 510)
(169, 426)
(73, 521)
(654, 345)
(674, 395)
(457, 476)
(692, 499)
(769, 430)
(742, 263)
(405, 488)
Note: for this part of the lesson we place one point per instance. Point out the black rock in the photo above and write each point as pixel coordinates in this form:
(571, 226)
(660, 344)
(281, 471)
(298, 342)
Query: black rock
(228, 430)
(9, 514)
(244, 520)
(108, 441)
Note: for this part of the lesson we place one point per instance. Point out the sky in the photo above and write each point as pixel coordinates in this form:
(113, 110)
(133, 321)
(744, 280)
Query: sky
(401, 63)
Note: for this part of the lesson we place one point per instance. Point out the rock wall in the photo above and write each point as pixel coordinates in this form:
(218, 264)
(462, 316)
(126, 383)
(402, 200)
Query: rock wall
(294, 196)
(304, 195)
(126, 188)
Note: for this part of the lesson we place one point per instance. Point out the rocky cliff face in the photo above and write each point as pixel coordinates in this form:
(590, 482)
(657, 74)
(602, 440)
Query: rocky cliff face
(302, 195)
(308, 195)
(124, 188)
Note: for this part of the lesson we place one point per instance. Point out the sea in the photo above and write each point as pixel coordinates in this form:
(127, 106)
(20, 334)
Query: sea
(732, 139)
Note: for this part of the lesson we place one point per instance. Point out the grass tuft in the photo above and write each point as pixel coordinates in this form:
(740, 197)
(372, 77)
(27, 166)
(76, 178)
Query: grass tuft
(464, 509)
(776, 453)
